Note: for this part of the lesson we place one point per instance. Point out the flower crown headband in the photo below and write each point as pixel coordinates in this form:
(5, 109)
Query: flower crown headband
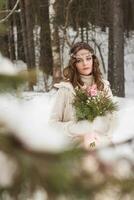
(81, 55)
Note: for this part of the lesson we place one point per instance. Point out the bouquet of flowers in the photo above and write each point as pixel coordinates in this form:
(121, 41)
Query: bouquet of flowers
(89, 103)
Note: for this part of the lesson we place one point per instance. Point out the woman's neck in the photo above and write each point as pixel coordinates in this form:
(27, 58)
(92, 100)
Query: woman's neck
(88, 80)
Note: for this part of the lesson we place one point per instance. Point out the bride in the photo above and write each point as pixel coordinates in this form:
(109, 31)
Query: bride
(83, 71)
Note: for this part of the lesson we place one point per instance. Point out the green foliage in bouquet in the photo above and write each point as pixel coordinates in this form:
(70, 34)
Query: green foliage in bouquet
(89, 107)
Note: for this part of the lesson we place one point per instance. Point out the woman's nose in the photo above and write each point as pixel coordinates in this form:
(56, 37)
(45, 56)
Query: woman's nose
(84, 62)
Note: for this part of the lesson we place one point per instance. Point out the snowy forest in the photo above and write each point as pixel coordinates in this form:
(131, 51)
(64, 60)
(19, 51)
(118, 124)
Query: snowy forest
(37, 161)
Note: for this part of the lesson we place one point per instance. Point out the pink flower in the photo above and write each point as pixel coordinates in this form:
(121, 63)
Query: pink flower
(91, 140)
(92, 90)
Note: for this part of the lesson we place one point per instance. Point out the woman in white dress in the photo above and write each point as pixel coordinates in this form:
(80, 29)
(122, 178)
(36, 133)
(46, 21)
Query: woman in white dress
(82, 71)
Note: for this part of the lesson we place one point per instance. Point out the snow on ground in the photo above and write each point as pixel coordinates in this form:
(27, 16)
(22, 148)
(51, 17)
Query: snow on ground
(29, 115)
(124, 131)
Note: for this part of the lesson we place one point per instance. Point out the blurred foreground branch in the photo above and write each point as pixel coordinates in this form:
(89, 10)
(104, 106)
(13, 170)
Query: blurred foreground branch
(65, 173)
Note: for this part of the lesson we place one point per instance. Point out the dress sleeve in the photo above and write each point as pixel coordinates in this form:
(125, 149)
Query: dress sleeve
(70, 128)
(57, 113)
(107, 88)
(58, 107)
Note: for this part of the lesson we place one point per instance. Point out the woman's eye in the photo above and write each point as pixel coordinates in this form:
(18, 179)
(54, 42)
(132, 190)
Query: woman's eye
(89, 58)
(78, 60)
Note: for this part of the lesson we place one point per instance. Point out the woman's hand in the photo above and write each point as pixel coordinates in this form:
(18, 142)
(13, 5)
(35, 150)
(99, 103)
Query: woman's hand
(91, 140)
(87, 141)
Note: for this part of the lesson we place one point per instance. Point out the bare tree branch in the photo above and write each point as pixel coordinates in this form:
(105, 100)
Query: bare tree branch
(99, 49)
(11, 12)
(8, 11)
(67, 13)
(64, 29)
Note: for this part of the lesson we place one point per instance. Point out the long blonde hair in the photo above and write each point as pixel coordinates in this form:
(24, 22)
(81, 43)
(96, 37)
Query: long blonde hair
(71, 73)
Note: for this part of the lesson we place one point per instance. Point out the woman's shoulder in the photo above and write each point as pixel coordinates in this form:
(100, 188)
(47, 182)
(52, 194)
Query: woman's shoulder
(107, 87)
(106, 82)
(64, 85)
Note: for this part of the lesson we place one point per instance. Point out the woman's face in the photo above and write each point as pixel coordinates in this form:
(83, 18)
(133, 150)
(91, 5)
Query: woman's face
(84, 62)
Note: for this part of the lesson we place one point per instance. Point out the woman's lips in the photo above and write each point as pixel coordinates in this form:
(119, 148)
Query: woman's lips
(86, 68)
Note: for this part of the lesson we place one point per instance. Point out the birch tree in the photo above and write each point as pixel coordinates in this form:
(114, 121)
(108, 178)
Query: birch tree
(55, 42)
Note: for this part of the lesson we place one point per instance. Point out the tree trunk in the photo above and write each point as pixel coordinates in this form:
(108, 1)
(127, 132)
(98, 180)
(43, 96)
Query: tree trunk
(11, 36)
(116, 49)
(29, 30)
(20, 44)
(46, 60)
(27, 22)
(55, 42)
(4, 34)
(4, 47)
(24, 32)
